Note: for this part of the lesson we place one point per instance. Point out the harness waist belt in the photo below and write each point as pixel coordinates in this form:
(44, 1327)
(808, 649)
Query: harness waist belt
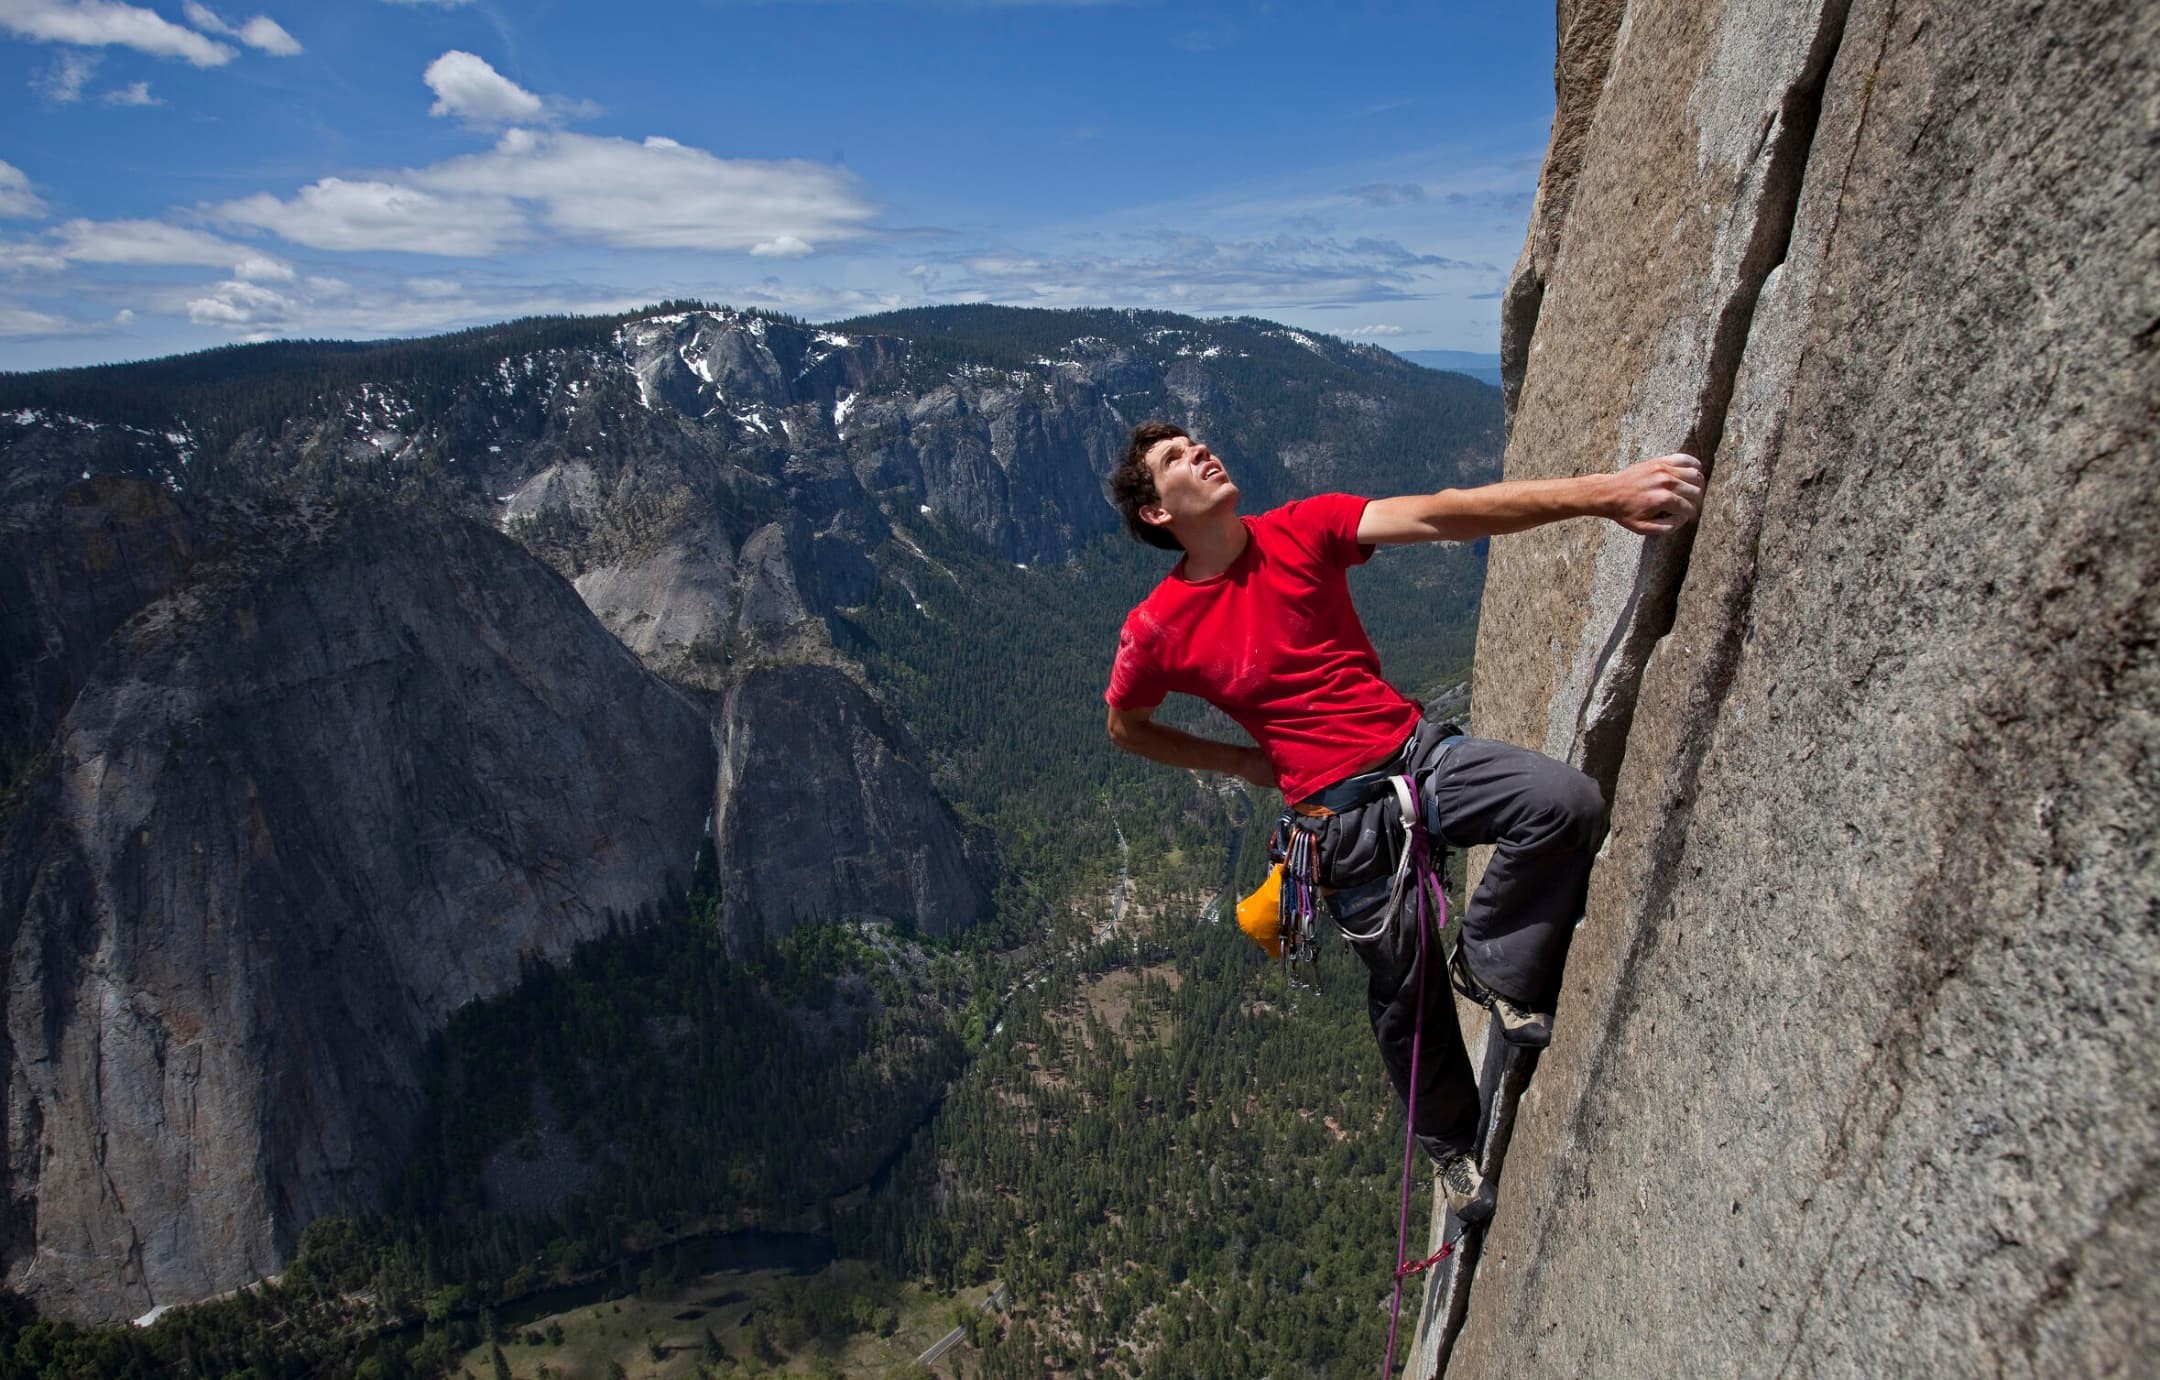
(1368, 786)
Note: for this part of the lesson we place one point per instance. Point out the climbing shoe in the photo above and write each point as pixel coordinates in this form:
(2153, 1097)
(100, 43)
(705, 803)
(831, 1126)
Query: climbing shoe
(1523, 1029)
(1469, 1197)
(1519, 1026)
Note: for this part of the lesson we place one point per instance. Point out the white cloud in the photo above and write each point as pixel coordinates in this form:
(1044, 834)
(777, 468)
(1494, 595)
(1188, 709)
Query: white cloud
(155, 242)
(381, 303)
(124, 317)
(261, 268)
(261, 32)
(238, 305)
(1358, 332)
(1197, 273)
(535, 186)
(1387, 193)
(106, 23)
(385, 305)
(138, 243)
(64, 80)
(16, 321)
(29, 256)
(815, 301)
(337, 214)
(466, 87)
(267, 35)
(660, 194)
(433, 4)
(17, 201)
(134, 93)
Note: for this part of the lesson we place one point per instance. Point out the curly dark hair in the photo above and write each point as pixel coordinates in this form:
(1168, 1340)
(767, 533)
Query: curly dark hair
(1133, 488)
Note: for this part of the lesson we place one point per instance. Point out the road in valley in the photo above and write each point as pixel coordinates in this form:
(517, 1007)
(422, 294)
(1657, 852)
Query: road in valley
(946, 1342)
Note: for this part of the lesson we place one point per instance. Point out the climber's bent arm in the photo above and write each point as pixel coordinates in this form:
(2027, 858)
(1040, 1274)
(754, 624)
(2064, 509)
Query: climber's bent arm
(1136, 731)
(1652, 497)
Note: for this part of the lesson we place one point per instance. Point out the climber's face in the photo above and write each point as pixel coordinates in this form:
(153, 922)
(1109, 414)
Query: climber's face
(1190, 482)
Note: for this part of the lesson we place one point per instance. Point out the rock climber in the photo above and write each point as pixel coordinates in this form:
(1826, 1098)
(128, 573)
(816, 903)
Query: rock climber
(1256, 619)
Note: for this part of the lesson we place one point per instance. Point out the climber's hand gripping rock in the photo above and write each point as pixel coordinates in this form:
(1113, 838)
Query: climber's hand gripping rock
(1658, 496)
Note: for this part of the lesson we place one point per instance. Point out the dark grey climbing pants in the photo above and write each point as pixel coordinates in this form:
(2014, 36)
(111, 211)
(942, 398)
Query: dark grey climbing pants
(1545, 820)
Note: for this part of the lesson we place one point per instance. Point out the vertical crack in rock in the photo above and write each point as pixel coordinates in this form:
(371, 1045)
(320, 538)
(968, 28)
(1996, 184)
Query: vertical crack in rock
(1661, 567)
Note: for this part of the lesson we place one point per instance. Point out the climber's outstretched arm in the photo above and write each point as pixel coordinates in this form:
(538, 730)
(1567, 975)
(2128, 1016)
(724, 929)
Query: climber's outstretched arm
(1652, 497)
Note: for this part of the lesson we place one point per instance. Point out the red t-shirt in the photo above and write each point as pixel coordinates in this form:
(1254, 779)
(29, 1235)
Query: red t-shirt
(1274, 643)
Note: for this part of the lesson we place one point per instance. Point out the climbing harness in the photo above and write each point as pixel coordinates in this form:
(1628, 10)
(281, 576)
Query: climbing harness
(1340, 838)
(1415, 869)
(1417, 875)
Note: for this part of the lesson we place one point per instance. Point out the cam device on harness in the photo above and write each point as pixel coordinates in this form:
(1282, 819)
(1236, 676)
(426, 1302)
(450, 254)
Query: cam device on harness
(1352, 833)
(1278, 916)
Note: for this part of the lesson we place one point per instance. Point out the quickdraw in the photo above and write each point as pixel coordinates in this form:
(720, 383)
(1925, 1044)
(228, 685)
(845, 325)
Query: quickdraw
(1296, 932)
(1418, 1267)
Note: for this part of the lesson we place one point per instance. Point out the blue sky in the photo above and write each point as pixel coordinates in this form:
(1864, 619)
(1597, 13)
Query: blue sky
(180, 175)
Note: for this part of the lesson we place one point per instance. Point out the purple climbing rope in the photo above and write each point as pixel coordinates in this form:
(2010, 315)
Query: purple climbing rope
(1418, 862)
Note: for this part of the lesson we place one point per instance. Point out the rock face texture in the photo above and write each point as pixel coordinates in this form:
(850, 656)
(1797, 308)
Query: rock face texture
(76, 560)
(818, 816)
(349, 771)
(1853, 1072)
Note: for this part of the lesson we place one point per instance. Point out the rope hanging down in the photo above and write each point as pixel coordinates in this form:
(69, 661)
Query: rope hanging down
(1416, 873)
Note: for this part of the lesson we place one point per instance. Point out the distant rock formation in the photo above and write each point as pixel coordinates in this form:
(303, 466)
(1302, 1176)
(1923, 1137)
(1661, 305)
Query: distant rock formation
(343, 772)
(1854, 1070)
(818, 816)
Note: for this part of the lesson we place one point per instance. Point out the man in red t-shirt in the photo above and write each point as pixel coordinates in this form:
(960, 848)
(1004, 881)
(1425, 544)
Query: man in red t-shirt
(1256, 619)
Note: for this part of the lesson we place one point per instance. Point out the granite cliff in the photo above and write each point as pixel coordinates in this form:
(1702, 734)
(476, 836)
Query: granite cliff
(839, 825)
(349, 767)
(1853, 1072)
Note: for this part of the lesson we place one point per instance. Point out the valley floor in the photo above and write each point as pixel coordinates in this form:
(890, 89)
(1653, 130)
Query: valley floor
(847, 1320)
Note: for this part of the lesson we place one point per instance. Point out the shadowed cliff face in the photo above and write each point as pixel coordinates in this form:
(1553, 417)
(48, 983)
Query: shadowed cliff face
(76, 559)
(819, 816)
(1853, 1067)
(355, 767)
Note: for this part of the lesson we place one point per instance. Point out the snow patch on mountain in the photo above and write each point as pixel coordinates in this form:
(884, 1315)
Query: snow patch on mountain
(1303, 339)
